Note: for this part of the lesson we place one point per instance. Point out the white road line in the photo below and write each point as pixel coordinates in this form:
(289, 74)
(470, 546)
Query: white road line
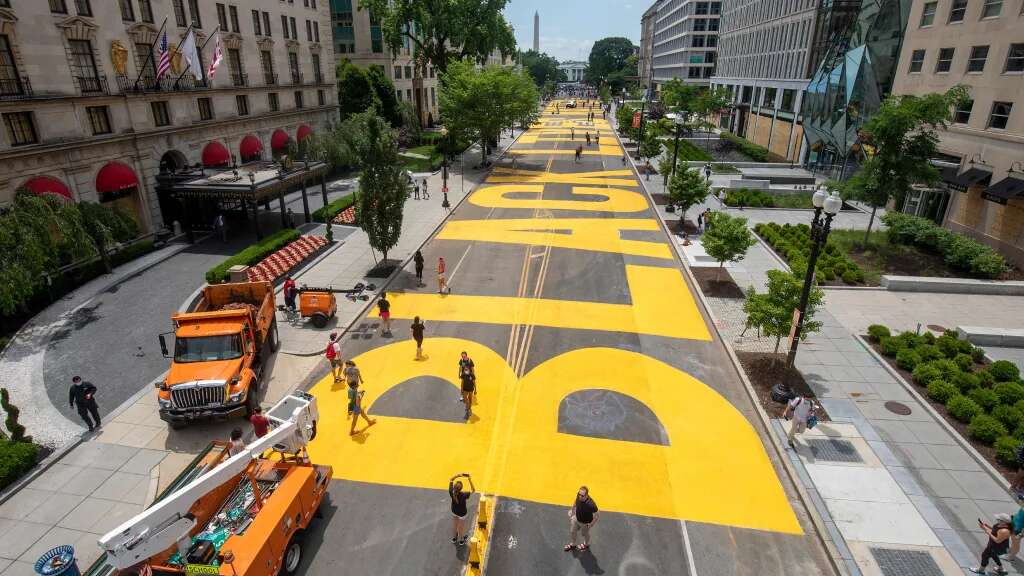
(689, 550)
(451, 277)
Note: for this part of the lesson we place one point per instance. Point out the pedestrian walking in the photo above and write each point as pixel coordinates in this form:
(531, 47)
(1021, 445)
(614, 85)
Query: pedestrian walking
(416, 191)
(998, 543)
(221, 228)
(468, 379)
(579, 153)
(800, 410)
(417, 335)
(597, 138)
(418, 262)
(355, 396)
(707, 218)
(1016, 533)
(82, 397)
(459, 509)
(290, 292)
(426, 194)
(700, 223)
(236, 444)
(647, 170)
(588, 138)
(384, 310)
(465, 362)
(260, 423)
(442, 282)
(333, 355)
(582, 517)
(572, 133)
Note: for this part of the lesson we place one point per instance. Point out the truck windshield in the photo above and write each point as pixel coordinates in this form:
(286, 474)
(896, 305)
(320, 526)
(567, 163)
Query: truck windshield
(208, 348)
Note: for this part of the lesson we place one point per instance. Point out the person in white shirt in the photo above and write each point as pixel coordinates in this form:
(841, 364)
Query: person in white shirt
(799, 409)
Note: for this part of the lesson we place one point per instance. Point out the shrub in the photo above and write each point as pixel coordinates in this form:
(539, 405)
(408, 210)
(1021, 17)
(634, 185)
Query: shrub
(987, 265)
(1009, 393)
(963, 408)
(892, 346)
(1004, 371)
(977, 354)
(965, 381)
(1006, 450)
(959, 251)
(907, 359)
(986, 429)
(1008, 415)
(927, 338)
(985, 379)
(876, 332)
(964, 362)
(941, 391)
(828, 274)
(928, 352)
(755, 152)
(911, 339)
(13, 426)
(16, 458)
(949, 345)
(850, 277)
(985, 397)
(327, 213)
(253, 254)
(924, 374)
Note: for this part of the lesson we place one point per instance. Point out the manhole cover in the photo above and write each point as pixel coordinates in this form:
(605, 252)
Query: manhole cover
(834, 450)
(936, 328)
(905, 562)
(898, 408)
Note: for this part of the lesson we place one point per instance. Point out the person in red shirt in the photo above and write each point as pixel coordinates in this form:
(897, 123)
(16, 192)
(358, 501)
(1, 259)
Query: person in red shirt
(442, 284)
(260, 423)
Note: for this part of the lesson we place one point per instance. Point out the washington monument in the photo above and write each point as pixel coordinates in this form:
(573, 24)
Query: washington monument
(536, 32)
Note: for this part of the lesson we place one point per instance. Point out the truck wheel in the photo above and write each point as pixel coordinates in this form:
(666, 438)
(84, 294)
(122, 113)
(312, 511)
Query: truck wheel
(253, 399)
(319, 320)
(273, 341)
(292, 556)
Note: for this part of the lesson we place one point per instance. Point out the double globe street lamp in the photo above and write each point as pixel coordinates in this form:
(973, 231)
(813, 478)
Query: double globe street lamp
(830, 204)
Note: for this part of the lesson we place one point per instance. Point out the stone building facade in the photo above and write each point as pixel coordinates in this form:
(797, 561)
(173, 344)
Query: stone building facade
(85, 116)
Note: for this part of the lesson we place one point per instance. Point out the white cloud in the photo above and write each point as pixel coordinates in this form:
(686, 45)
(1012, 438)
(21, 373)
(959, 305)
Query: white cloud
(564, 48)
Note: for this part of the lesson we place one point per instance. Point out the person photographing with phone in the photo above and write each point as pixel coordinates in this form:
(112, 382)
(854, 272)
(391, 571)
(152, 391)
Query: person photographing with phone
(459, 508)
(998, 543)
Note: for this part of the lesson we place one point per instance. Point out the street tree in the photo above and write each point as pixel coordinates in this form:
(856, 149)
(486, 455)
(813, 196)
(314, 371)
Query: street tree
(726, 238)
(608, 62)
(541, 67)
(650, 146)
(384, 89)
(710, 102)
(383, 185)
(444, 31)
(771, 312)
(624, 120)
(900, 139)
(355, 92)
(477, 103)
(687, 189)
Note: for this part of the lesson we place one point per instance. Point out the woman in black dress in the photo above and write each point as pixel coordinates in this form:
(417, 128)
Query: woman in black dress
(459, 510)
(418, 261)
(417, 335)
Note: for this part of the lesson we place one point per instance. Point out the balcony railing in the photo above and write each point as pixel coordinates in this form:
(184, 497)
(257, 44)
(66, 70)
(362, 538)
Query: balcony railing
(189, 82)
(296, 77)
(270, 78)
(92, 84)
(131, 85)
(15, 88)
(238, 79)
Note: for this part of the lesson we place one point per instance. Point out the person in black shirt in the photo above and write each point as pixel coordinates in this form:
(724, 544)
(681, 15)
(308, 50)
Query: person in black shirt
(466, 362)
(82, 396)
(459, 510)
(582, 515)
(417, 335)
(468, 379)
(385, 314)
(418, 261)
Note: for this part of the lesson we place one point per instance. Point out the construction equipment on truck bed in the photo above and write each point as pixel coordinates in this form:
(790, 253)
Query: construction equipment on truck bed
(243, 517)
(219, 352)
(320, 305)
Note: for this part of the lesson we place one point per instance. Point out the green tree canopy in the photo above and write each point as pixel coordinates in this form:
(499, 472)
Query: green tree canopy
(726, 238)
(687, 189)
(361, 89)
(444, 31)
(771, 313)
(541, 67)
(608, 60)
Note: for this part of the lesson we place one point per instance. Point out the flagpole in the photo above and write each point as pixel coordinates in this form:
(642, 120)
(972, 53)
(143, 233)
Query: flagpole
(143, 70)
(203, 47)
(177, 50)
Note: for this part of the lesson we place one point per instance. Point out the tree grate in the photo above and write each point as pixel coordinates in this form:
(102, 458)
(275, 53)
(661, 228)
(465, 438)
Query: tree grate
(896, 562)
(833, 450)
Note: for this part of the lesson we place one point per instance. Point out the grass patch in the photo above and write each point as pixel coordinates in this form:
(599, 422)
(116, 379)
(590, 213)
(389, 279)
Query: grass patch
(253, 254)
(429, 164)
(724, 169)
(688, 151)
(16, 458)
(327, 213)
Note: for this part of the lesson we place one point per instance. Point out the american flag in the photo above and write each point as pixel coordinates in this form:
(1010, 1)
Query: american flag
(165, 58)
(218, 55)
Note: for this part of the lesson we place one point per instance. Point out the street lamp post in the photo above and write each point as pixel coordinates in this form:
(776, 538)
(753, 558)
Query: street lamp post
(678, 121)
(830, 205)
(643, 106)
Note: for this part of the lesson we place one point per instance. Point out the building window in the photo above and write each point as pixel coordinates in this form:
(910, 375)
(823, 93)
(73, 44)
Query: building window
(945, 60)
(1000, 116)
(408, 71)
(318, 77)
(398, 95)
(146, 11)
(433, 97)
(272, 102)
(398, 72)
(976, 63)
(928, 15)
(99, 119)
(957, 11)
(992, 8)
(431, 71)
(83, 66)
(161, 116)
(295, 35)
(58, 7)
(222, 17)
(21, 130)
(266, 24)
(916, 61)
(179, 13)
(235, 67)
(298, 99)
(284, 25)
(242, 102)
(193, 8)
(962, 114)
(256, 23)
(788, 96)
(321, 98)
(127, 12)
(10, 80)
(309, 31)
(269, 78)
(316, 32)
(205, 108)
(293, 66)
(1015, 58)
(84, 7)
(144, 61)
(233, 13)
(408, 94)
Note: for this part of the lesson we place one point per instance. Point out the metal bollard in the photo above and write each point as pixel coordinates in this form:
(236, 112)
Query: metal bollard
(485, 512)
(474, 551)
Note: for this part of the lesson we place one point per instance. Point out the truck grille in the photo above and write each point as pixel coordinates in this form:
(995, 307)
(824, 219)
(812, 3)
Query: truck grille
(197, 397)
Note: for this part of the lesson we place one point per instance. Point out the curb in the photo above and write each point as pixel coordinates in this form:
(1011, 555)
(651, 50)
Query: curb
(838, 564)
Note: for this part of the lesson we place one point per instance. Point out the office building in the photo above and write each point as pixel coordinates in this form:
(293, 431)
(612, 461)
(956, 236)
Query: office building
(683, 40)
(86, 115)
(646, 47)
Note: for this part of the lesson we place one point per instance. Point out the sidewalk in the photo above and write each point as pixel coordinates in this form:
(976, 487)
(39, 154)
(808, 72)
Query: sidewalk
(116, 473)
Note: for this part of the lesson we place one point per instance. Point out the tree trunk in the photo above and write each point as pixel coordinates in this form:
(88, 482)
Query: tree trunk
(867, 233)
(483, 151)
(778, 340)
(718, 275)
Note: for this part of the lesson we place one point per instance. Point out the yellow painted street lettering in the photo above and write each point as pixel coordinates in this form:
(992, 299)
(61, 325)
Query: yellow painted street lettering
(595, 234)
(612, 199)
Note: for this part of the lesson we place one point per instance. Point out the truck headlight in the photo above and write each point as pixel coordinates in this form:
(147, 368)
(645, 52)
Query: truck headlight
(236, 397)
(164, 403)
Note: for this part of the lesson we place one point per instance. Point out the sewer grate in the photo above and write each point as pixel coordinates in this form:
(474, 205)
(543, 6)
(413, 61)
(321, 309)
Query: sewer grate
(896, 562)
(834, 450)
(898, 408)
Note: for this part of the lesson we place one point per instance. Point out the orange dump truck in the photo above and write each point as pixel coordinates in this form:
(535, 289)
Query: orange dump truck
(219, 352)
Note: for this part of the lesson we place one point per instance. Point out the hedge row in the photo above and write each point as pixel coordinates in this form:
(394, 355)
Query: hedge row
(253, 254)
(794, 244)
(958, 251)
(688, 151)
(989, 398)
(327, 213)
(16, 458)
(755, 152)
(749, 197)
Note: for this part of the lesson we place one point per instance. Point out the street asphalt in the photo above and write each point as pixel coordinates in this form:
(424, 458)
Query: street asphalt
(595, 365)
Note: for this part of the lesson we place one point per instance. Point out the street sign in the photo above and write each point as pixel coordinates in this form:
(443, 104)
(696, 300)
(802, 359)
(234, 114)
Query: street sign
(792, 327)
(636, 119)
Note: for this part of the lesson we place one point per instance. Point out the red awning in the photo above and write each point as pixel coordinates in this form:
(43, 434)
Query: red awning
(48, 185)
(279, 140)
(115, 177)
(215, 154)
(303, 132)
(250, 147)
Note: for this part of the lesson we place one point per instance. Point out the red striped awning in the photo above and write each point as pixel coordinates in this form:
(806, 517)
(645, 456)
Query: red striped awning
(115, 177)
(303, 132)
(279, 139)
(43, 185)
(215, 154)
(250, 147)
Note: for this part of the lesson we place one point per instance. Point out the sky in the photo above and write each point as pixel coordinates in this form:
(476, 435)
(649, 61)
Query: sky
(568, 28)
